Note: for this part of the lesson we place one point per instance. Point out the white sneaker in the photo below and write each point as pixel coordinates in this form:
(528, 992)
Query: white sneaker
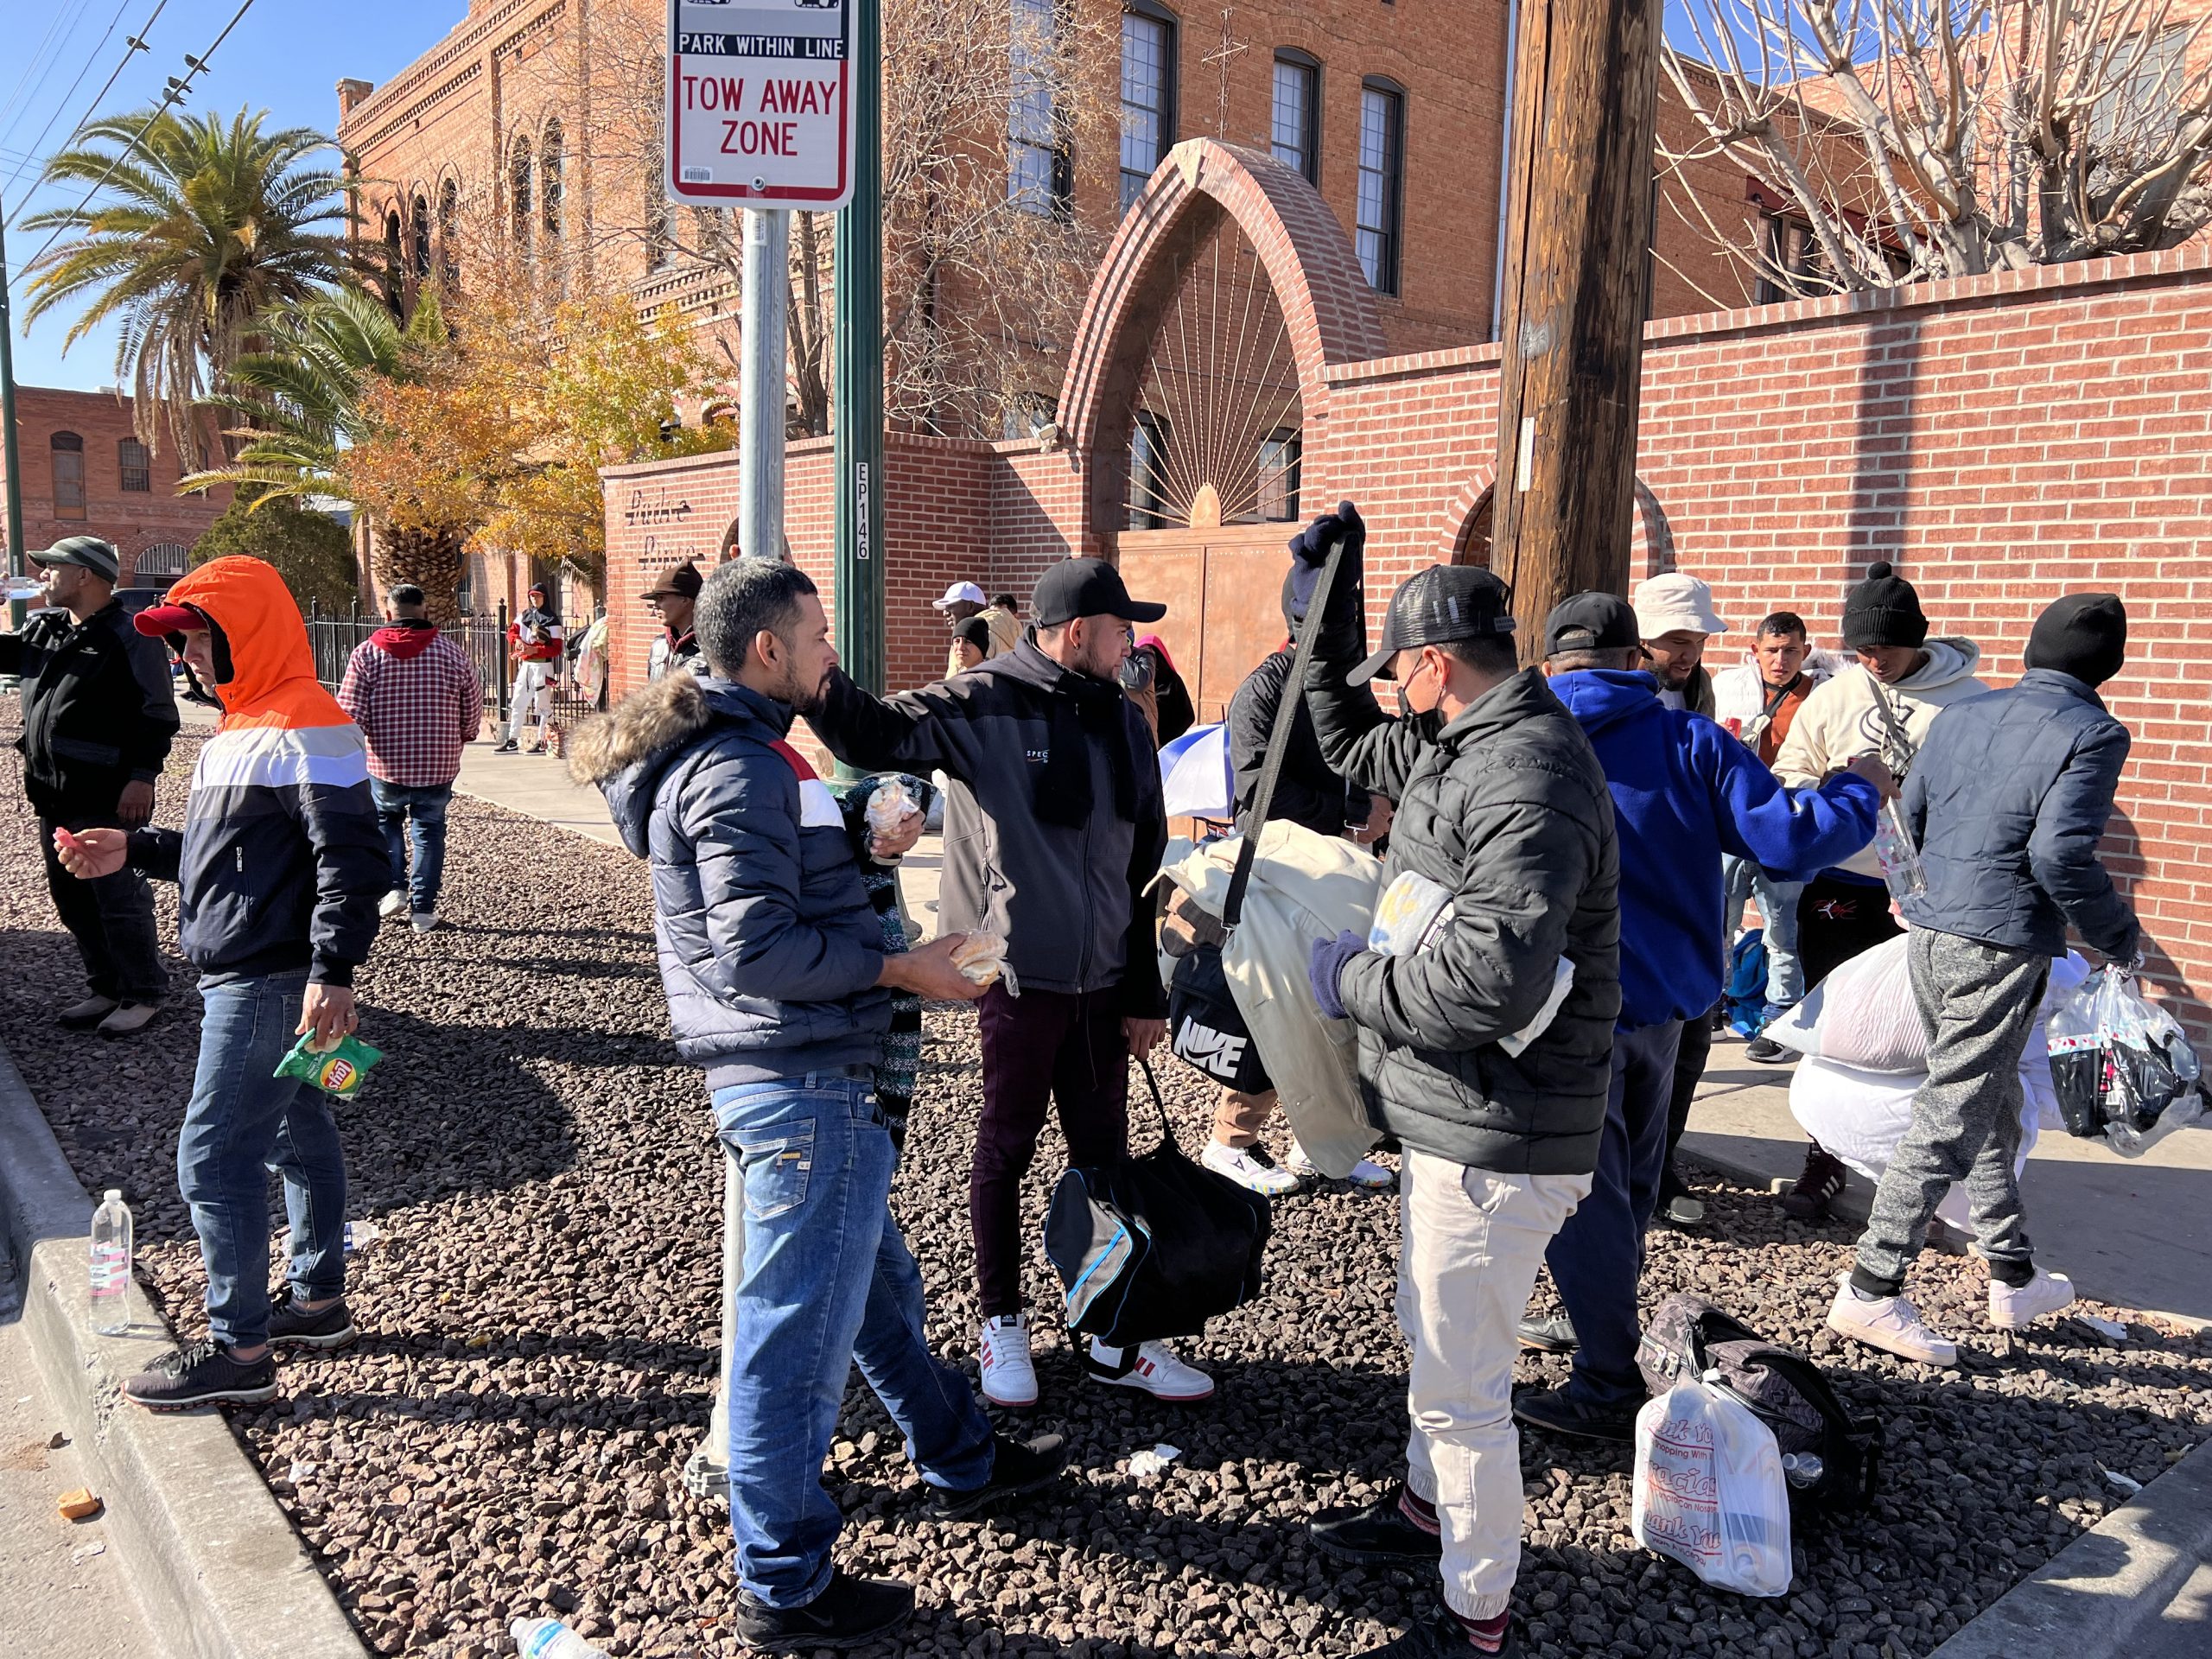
(1010, 1375)
(392, 903)
(425, 921)
(2010, 1308)
(1892, 1324)
(1151, 1367)
(1369, 1177)
(1249, 1166)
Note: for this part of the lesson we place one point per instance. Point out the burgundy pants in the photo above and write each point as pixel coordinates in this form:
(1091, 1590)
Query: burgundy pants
(1040, 1048)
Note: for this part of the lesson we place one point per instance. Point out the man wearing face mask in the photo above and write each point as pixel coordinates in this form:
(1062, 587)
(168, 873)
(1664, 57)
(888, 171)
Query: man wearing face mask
(1054, 827)
(99, 714)
(1501, 803)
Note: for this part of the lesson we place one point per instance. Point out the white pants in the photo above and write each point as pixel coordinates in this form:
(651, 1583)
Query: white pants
(1472, 1243)
(533, 686)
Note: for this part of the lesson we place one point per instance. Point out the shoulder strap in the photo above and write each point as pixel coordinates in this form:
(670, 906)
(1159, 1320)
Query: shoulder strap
(1293, 693)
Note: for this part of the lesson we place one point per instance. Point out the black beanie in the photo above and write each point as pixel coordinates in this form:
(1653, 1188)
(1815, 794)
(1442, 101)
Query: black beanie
(1883, 610)
(2083, 634)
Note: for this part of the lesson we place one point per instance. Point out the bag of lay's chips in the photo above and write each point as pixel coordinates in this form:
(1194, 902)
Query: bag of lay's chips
(339, 1069)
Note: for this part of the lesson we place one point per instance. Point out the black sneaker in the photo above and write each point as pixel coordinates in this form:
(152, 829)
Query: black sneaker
(1018, 1466)
(1555, 1335)
(1379, 1534)
(851, 1613)
(1767, 1051)
(1442, 1636)
(1557, 1411)
(291, 1326)
(203, 1373)
(1818, 1186)
(507, 746)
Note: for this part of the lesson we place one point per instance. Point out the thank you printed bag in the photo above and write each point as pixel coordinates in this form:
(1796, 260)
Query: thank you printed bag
(1709, 1492)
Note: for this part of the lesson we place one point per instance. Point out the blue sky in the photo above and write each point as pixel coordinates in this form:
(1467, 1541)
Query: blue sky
(287, 57)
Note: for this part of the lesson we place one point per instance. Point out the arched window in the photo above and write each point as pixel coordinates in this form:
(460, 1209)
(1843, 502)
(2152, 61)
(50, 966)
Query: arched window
(519, 200)
(68, 452)
(134, 467)
(449, 229)
(422, 239)
(551, 161)
(395, 257)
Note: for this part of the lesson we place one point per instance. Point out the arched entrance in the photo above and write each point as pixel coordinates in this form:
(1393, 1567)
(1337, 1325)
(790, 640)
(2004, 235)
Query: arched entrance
(1463, 534)
(1227, 292)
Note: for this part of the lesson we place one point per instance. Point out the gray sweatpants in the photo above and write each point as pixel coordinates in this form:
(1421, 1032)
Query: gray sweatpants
(1978, 1002)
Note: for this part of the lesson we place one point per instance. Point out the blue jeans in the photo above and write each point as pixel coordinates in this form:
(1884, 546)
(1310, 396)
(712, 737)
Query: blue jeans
(422, 813)
(1742, 880)
(828, 1281)
(242, 1124)
(1598, 1255)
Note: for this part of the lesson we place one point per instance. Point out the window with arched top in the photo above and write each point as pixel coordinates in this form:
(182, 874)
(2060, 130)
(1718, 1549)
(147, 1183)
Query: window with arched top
(519, 198)
(449, 229)
(422, 239)
(67, 449)
(551, 163)
(395, 257)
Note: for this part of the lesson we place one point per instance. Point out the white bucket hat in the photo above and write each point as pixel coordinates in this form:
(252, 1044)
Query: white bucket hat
(1675, 603)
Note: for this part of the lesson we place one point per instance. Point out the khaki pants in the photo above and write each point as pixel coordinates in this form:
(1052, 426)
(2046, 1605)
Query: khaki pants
(1473, 1241)
(1239, 1118)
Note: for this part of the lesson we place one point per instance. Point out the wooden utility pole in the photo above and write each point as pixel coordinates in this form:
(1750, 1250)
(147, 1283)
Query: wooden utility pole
(1576, 289)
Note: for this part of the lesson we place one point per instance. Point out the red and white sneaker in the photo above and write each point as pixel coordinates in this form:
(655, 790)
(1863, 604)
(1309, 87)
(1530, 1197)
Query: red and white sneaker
(1151, 1367)
(1010, 1375)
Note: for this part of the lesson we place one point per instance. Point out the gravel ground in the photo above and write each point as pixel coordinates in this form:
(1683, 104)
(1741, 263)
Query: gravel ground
(539, 1323)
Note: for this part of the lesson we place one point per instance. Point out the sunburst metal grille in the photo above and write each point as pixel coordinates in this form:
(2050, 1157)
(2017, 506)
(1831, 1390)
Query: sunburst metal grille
(1217, 439)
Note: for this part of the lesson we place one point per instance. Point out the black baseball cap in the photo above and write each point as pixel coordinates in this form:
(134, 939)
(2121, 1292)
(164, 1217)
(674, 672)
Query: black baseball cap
(1438, 607)
(1077, 588)
(1591, 622)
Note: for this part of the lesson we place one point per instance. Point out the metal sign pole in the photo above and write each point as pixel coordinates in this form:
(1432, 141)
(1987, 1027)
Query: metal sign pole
(857, 422)
(761, 382)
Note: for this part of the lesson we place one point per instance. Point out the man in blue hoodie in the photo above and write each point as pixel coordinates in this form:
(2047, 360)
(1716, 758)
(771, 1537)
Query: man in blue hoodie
(1682, 789)
(780, 986)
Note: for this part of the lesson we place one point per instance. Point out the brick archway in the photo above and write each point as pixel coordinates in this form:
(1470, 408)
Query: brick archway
(1327, 305)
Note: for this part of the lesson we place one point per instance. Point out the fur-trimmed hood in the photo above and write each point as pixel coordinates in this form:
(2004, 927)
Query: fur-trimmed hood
(627, 751)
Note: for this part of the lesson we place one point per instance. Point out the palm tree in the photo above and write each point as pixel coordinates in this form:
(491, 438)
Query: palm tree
(193, 231)
(302, 403)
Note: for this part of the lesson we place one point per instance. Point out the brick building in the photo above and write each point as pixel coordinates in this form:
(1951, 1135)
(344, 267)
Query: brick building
(86, 472)
(2003, 439)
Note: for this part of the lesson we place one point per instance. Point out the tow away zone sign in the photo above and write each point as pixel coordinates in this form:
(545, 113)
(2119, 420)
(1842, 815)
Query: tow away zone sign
(759, 110)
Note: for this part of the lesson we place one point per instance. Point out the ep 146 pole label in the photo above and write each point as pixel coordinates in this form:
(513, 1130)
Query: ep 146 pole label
(760, 106)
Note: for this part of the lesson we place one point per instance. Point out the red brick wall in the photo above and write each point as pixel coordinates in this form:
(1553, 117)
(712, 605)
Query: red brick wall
(133, 519)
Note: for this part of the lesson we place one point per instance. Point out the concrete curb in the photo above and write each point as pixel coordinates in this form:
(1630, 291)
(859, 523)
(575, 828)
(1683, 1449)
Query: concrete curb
(216, 1565)
(2101, 1593)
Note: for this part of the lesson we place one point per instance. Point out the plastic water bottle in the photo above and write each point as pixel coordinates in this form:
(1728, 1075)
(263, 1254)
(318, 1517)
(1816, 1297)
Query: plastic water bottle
(1895, 852)
(549, 1638)
(112, 1265)
(1803, 1468)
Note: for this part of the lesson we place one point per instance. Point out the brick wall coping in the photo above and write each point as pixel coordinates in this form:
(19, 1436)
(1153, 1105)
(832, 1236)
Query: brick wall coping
(892, 439)
(2191, 262)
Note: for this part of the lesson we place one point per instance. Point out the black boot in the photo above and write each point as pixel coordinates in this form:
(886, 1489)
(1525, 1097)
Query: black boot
(1017, 1466)
(851, 1613)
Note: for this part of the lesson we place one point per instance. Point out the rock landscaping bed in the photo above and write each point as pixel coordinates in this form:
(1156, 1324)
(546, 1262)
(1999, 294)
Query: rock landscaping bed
(539, 1320)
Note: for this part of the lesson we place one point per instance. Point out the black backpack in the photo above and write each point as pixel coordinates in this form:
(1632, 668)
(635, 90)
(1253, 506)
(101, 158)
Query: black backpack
(1153, 1246)
(1688, 1335)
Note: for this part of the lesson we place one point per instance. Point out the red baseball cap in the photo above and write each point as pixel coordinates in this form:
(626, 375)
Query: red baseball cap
(160, 619)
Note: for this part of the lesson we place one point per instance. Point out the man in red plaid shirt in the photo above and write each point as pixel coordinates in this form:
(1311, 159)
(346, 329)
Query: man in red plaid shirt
(417, 698)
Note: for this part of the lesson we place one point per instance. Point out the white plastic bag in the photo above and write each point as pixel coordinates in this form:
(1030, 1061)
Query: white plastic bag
(1862, 1015)
(1709, 1489)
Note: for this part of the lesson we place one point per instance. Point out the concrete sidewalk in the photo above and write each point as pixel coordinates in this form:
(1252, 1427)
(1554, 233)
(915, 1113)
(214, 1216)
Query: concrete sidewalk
(2135, 1233)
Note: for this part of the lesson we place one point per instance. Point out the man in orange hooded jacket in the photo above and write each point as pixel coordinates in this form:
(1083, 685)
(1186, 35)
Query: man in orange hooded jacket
(279, 866)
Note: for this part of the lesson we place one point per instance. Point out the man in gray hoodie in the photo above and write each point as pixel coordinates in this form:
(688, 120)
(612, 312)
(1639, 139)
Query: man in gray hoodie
(1053, 831)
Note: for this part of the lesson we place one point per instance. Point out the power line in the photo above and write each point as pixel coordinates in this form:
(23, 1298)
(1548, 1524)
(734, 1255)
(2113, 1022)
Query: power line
(133, 45)
(171, 95)
(57, 31)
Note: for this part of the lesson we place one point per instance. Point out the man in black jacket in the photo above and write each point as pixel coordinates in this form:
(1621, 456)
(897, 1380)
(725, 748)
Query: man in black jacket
(98, 716)
(1308, 794)
(1054, 830)
(1494, 1083)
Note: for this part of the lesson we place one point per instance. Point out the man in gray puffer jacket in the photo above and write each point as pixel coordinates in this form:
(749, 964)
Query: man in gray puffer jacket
(1501, 803)
(2008, 798)
(779, 985)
